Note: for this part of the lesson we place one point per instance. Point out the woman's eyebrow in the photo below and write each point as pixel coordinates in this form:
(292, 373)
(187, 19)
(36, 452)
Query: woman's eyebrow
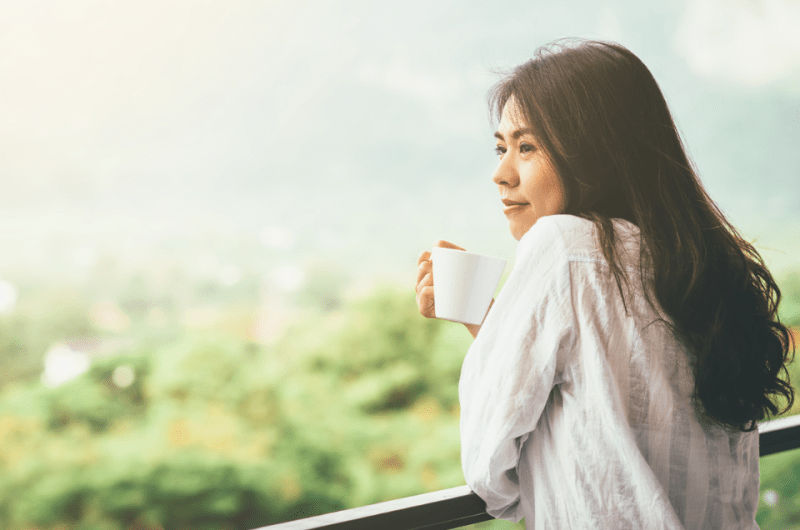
(515, 135)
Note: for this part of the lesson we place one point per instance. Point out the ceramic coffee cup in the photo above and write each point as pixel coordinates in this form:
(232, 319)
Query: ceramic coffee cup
(463, 284)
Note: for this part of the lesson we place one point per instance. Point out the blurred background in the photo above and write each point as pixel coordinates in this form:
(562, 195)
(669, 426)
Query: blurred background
(211, 212)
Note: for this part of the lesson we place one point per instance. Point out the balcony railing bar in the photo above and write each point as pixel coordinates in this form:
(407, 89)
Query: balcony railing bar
(779, 435)
(450, 508)
(458, 507)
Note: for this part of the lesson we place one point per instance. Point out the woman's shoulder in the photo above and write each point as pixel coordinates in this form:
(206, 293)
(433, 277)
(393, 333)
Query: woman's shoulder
(572, 238)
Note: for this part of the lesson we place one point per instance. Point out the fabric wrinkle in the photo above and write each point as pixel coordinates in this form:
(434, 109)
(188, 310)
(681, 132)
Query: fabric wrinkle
(576, 408)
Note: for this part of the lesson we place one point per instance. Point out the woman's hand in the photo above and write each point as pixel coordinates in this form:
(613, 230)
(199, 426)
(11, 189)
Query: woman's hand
(425, 301)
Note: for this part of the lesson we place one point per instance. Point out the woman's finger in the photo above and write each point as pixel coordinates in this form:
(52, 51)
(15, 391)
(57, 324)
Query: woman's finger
(426, 303)
(424, 256)
(446, 244)
(424, 268)
(425, 281)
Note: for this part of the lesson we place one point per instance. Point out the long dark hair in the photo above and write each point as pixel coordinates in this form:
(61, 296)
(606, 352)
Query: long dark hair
(601, 117)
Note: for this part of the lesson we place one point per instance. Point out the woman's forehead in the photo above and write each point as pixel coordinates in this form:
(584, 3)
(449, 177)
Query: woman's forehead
(513, 118)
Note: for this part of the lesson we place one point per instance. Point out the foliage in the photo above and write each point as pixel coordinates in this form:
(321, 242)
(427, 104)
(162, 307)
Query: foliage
(351, 406)
(789, 309)
(40, 319)
(217, 432)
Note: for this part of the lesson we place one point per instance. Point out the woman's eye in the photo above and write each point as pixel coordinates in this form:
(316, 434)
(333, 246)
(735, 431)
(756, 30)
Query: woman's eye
(499, 150)
(526, 148)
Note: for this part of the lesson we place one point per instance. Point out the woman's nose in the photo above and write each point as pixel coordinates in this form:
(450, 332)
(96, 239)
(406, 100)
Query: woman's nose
(505, 174)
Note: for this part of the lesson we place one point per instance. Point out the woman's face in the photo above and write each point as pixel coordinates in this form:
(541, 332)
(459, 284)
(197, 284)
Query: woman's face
(528, 184)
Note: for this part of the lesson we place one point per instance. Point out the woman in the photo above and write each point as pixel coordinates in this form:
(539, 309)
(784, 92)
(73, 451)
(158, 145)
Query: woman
(618, 379)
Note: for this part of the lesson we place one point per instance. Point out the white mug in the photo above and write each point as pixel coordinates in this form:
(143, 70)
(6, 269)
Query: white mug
(463, 284)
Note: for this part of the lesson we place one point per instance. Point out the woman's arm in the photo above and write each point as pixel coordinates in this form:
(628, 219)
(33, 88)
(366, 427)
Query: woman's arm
(475, 328)
(524, 345)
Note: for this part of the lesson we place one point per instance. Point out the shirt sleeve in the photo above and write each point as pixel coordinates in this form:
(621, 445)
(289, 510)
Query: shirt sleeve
(509, 371)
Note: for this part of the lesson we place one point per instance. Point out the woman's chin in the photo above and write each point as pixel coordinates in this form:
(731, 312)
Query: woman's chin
(517, 232)
(519, 229)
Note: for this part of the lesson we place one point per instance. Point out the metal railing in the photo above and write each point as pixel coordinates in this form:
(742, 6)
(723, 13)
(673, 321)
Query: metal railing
(457, 507)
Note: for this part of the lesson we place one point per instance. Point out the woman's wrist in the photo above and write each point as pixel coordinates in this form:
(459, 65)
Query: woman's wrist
(475, 328)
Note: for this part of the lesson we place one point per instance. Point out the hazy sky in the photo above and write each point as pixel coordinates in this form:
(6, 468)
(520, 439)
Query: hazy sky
(359, 127)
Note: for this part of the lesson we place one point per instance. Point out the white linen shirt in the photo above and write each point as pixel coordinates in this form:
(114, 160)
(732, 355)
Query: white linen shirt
(576, 414)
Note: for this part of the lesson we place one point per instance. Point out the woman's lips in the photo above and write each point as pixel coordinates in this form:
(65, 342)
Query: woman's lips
(512, 208)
